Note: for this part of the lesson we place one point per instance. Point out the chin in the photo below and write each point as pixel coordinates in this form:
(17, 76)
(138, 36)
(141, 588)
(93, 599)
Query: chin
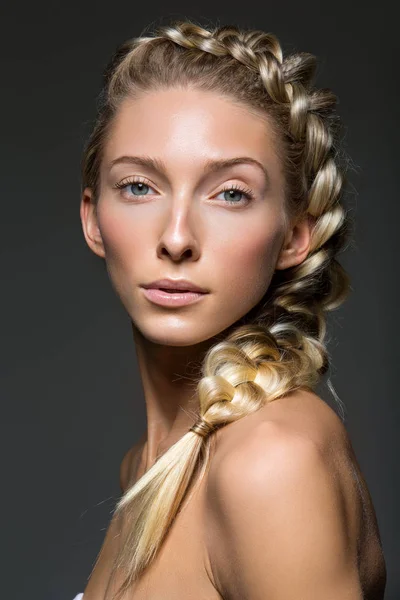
(177, 338)
(177, 332)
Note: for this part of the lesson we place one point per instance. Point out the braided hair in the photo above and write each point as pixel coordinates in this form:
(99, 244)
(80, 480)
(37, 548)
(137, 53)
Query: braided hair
(278, 346)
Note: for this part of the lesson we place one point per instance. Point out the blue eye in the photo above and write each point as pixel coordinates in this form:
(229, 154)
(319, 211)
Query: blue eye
(235, 191)
(141, 186)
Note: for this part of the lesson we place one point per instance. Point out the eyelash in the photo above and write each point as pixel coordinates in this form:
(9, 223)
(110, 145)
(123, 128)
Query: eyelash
(247, 192)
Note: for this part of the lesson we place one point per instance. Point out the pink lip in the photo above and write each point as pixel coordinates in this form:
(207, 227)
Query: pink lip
(182, 285)
(163, 298)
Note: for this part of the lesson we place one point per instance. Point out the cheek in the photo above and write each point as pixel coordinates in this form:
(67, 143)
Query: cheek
(246, 261)
(124, 242)
(122, 236)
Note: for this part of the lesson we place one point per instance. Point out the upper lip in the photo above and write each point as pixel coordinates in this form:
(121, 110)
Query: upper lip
(175, 284)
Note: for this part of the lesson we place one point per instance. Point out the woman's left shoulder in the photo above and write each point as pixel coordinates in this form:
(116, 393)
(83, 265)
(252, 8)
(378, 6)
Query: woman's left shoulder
(281, 481)
(299, 420)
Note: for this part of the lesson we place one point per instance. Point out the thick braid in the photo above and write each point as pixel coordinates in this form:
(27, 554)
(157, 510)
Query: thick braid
(279, 345)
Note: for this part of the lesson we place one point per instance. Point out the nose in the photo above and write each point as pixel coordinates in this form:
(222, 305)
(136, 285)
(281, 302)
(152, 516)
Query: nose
(178, 240)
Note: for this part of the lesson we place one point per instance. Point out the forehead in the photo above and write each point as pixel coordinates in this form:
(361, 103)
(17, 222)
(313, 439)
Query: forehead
(188, 126)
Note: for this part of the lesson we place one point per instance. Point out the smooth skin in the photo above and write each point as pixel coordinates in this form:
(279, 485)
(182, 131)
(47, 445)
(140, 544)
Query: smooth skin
(274, 502)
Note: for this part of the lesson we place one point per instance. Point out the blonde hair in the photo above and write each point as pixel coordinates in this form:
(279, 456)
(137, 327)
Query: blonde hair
(279, 345)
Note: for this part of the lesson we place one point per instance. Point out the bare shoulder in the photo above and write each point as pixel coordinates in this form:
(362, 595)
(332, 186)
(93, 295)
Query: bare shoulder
(295, 435)
(283, 498)
(301, 416)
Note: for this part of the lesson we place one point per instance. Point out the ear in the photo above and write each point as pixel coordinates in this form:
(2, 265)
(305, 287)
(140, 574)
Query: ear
(296, 245)
(91, 231)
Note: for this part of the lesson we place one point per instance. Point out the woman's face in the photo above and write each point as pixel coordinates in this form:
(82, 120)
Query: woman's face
(173, 219)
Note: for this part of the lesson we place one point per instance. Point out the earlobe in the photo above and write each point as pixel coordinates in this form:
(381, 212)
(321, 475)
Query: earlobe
(91, 231)
(296, 246)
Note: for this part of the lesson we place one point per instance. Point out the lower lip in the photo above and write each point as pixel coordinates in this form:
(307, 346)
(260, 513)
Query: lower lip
(171, 299)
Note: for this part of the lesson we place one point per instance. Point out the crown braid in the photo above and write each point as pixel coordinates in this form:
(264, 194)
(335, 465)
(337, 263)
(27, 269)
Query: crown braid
(279, 345)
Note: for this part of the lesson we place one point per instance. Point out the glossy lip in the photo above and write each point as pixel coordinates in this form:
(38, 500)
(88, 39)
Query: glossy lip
(163, 298)
(183, 285)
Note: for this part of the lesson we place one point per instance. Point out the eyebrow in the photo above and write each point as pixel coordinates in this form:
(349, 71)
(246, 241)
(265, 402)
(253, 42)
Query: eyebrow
(210, 166)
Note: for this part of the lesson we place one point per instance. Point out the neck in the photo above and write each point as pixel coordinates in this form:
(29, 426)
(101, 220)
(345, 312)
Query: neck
(169, 376)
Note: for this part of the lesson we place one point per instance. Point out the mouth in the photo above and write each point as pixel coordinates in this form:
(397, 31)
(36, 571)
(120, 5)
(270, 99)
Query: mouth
(175, 286)
(172, 297)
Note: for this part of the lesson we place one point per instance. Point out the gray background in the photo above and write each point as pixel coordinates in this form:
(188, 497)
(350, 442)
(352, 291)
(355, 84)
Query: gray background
(71, 399)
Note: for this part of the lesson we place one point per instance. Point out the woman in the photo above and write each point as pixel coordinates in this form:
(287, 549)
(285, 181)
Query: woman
(212, 189)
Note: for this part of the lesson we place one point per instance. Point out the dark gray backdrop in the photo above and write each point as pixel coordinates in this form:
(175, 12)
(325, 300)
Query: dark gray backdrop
(71, 401)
